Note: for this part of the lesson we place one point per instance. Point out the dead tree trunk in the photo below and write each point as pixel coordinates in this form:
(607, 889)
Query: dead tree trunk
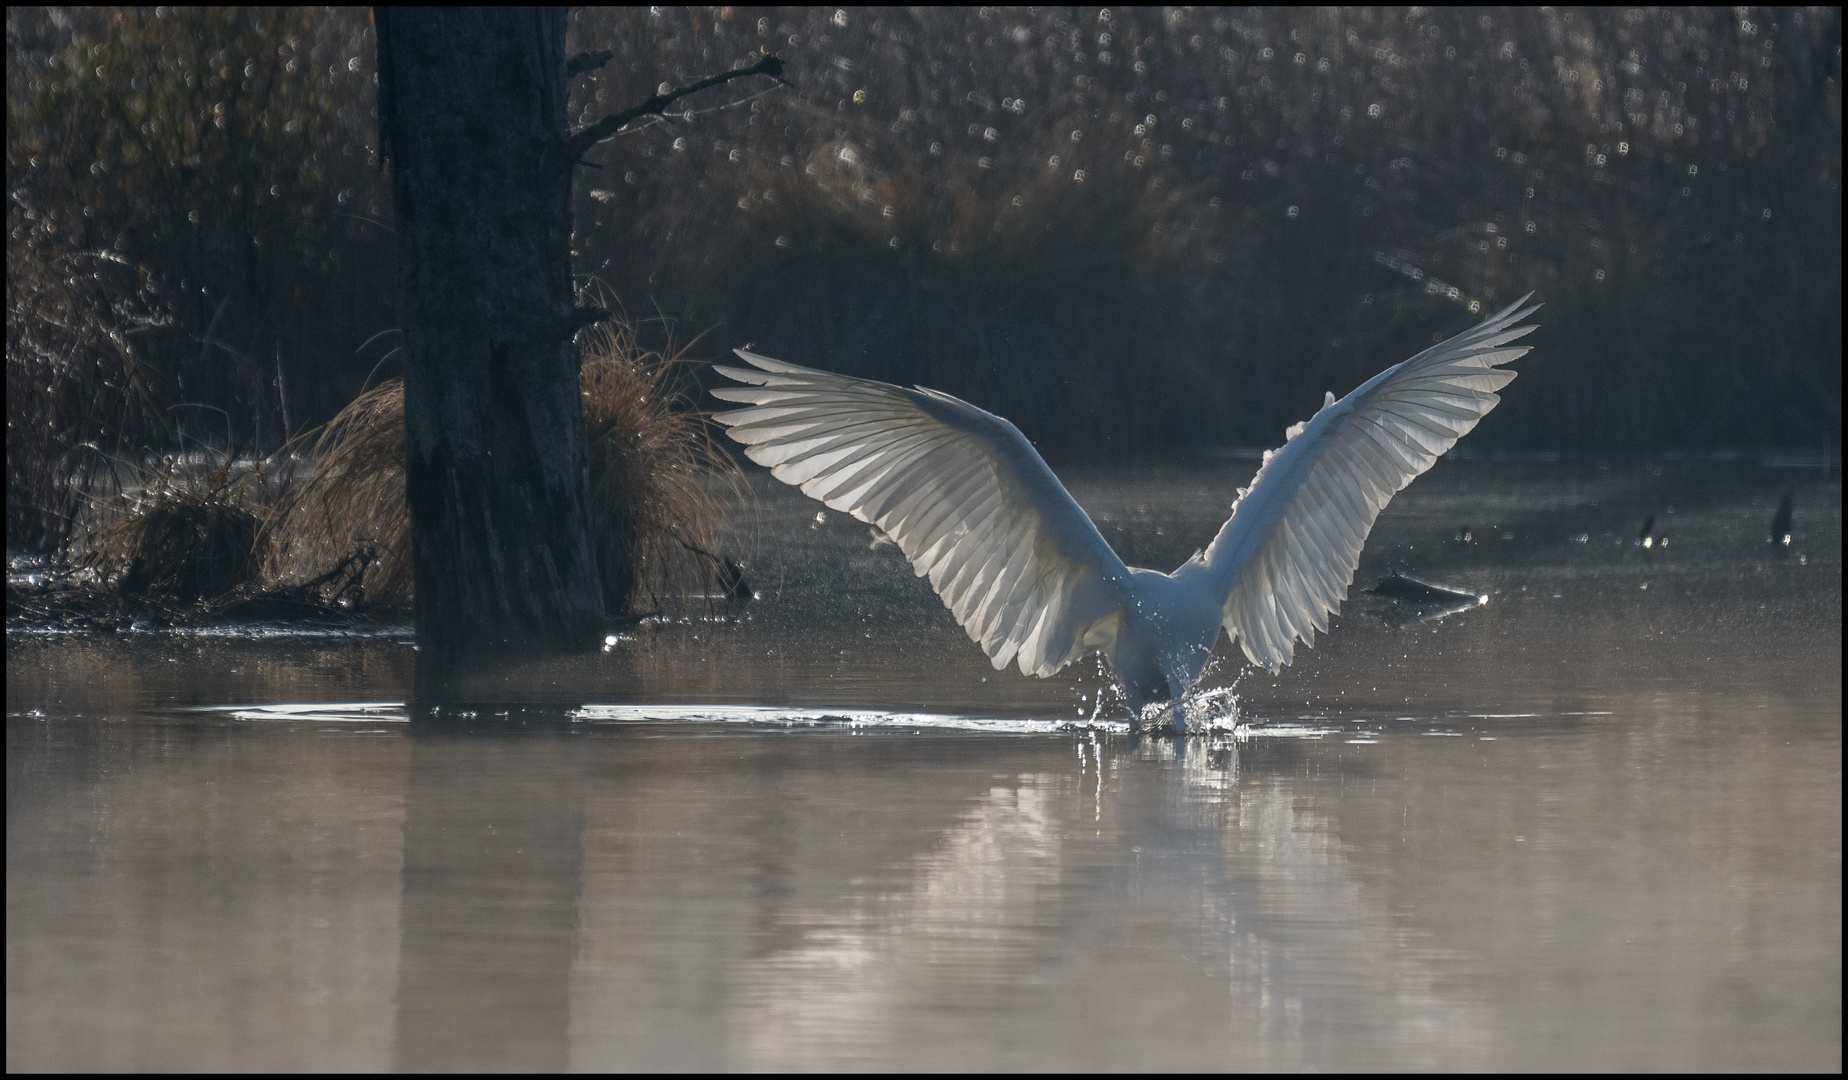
(472, 112)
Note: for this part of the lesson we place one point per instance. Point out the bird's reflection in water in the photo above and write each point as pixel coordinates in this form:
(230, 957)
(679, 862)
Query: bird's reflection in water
(614, 899)
(1067, 920)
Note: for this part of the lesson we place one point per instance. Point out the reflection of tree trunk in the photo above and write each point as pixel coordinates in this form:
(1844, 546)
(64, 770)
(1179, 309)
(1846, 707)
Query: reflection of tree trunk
(472, 109)
(493, 843)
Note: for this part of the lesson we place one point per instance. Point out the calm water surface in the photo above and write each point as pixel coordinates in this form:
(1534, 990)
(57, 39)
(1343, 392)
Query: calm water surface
(1593, 824)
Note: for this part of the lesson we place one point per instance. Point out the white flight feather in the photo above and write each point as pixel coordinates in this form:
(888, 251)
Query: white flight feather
(974, 508)
(959, 490)
(1288, 554)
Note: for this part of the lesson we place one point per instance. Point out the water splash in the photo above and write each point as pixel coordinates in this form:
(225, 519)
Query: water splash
(1103, 697)
(768, 716)
(1201, 710)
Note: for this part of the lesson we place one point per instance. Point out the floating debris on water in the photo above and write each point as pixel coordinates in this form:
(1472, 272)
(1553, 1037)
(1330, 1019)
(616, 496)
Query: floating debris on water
(1417, 602)
(1400, 587)
(1781, 522)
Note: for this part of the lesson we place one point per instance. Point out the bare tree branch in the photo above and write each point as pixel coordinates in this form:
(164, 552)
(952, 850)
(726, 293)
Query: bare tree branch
(657, 104)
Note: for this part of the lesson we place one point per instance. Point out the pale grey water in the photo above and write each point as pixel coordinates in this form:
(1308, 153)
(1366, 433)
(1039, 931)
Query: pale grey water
(1594, 824)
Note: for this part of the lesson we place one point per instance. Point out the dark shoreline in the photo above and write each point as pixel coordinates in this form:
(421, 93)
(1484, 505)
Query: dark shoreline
(58, 601)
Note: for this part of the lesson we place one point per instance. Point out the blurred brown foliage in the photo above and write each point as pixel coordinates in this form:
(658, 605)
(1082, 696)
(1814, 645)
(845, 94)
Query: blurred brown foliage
(225, 154)
(1126, 229)
(79, 389)
(1145, 227)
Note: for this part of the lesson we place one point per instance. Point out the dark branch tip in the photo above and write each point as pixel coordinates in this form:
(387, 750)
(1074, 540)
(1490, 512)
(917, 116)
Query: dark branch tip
(587, 61)
(586, 316)
(772, 66)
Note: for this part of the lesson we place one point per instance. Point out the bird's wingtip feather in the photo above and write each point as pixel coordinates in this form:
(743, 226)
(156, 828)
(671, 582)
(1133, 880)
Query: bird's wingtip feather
(739, 374)
(765, 363)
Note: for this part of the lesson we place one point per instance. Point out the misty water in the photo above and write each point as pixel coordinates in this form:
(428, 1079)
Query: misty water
(1594, 823)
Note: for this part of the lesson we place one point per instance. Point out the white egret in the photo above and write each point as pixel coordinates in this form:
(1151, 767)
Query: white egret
(1025, 572)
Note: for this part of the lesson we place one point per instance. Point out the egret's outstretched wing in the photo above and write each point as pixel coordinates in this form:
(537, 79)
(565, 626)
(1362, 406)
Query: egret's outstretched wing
(961, 491)
(1289, 552)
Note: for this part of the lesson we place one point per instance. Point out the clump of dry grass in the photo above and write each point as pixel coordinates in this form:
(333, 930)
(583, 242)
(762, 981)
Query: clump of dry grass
(657, 488)
(348, 508)
(657, 479)
(182, 536)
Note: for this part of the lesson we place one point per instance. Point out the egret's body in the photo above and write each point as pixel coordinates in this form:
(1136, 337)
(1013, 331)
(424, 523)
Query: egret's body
(1028, 576)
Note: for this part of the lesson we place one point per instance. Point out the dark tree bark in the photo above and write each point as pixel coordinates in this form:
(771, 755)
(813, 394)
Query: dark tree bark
(472, 110)
(472, 121)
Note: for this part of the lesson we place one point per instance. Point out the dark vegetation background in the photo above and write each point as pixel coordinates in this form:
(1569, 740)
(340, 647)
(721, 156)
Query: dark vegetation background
(1128, 230)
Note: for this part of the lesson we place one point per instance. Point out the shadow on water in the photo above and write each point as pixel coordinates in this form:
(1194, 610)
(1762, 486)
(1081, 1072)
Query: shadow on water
(493, 828)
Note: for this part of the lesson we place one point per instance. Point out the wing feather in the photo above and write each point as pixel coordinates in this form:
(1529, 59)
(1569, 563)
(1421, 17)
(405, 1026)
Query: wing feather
(1289, 552)
(963, 494)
